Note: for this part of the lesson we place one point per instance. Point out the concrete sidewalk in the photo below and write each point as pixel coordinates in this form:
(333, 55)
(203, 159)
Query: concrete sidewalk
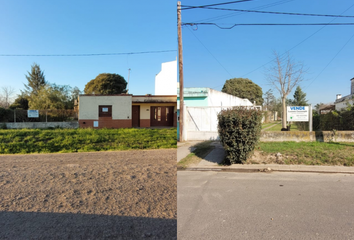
(216, 156)
(185, 148)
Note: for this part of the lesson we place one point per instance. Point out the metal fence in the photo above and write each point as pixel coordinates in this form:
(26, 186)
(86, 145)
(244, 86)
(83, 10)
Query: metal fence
(9, 115)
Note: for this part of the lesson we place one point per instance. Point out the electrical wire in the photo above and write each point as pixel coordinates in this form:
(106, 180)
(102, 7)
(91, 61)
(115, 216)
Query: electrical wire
(211, 54)
(294, 48)
(237, 14)
(268, 24)
(330, 61)
(284, 13)
(210, 5)
(83, 55)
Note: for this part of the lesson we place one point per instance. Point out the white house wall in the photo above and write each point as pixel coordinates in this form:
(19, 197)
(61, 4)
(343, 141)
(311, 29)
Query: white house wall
(166, 80)
(344, 104)
(217, 98)
(121, 106)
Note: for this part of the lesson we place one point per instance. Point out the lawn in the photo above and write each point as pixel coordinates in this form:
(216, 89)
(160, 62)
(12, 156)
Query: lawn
(278, 127)
(84, 140)
(311, 153)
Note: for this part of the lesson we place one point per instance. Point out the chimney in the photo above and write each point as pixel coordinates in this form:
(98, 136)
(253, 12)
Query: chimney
(339, 96)
(352, 86)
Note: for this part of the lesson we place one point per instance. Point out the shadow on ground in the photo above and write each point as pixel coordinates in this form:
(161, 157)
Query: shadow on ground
(36, 225)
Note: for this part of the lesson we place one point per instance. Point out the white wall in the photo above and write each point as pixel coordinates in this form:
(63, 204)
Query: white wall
(217, 98)
(121, 106)
(166, 80)
(343, 105)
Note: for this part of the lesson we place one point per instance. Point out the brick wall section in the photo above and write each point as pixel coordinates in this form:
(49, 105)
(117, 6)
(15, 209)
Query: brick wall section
(106, 123)
(145, 123)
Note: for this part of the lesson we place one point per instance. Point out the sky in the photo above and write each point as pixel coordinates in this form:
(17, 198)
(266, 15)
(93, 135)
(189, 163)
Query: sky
(41, 27)
(212, 55)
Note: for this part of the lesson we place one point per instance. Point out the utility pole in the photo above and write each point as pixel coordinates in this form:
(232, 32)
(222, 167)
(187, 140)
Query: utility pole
(128, 80)
(180, 63)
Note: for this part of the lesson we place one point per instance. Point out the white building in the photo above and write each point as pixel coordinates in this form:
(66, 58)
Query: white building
(342, 102)
(201, 107)
(165, 81)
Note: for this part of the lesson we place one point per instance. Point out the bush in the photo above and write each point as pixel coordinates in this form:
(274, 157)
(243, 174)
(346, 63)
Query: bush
(239, 130)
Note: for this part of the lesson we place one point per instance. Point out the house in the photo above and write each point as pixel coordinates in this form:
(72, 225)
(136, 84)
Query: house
(201, 108)
(126, 110)
(342, 102)
(165, 81)
(324, 109)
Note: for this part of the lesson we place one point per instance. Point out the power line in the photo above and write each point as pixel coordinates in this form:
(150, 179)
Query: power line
(330, 61)
(255, 8)
(83, 55)
(295, 47)
(268, 24)
(210, 5)
(210, 53)
(284, 13)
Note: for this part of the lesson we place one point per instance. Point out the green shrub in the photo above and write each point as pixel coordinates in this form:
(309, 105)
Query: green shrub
(239, 130)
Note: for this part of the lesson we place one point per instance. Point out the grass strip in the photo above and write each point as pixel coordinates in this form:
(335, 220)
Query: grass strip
(311, 153)
(201, 151)
(84, 140)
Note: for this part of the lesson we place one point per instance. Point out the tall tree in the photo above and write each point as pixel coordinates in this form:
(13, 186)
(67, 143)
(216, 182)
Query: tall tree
(299, 98)
(244, 88)
(269, 100)
(106, 83)
(36, 80)
(284, 76)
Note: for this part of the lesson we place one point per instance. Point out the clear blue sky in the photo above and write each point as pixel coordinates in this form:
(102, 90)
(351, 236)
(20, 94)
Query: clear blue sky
(213, 55)
(86, 26)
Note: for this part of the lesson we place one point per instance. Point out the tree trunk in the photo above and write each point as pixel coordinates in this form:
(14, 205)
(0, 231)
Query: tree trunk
(283, 121)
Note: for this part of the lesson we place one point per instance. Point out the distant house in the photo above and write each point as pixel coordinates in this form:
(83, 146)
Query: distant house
(165, 81)
(342, 102)
(324, 109)
(126, 110)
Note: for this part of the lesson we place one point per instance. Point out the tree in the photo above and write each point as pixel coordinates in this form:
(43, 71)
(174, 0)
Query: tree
(299, 98)
(244, 88)
(6, 96)
(106, 83)
(21, 102)
(51, 97)
(36, 80)
(269, 100)
(284, 76)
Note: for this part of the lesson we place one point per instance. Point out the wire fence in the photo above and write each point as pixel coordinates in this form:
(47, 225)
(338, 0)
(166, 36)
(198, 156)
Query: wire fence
(58, 115)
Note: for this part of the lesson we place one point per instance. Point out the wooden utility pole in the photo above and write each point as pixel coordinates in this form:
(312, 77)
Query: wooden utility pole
(180, 63)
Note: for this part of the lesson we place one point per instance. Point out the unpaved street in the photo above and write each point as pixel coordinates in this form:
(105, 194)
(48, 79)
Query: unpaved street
(101, 195)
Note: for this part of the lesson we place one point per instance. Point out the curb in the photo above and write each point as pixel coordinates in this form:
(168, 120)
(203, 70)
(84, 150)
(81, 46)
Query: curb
(299, 169)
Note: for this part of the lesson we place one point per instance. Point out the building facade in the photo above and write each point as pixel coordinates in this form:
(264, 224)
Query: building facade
(126, 110)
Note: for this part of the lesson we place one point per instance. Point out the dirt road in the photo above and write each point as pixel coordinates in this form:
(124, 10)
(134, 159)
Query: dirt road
(101, 195)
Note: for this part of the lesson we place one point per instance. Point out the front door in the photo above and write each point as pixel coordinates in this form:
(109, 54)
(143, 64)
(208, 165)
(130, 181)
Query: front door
(161, 116)
(136, 116)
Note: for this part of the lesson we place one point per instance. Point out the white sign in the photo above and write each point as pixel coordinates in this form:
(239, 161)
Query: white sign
(32, 113)
(297, 114)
